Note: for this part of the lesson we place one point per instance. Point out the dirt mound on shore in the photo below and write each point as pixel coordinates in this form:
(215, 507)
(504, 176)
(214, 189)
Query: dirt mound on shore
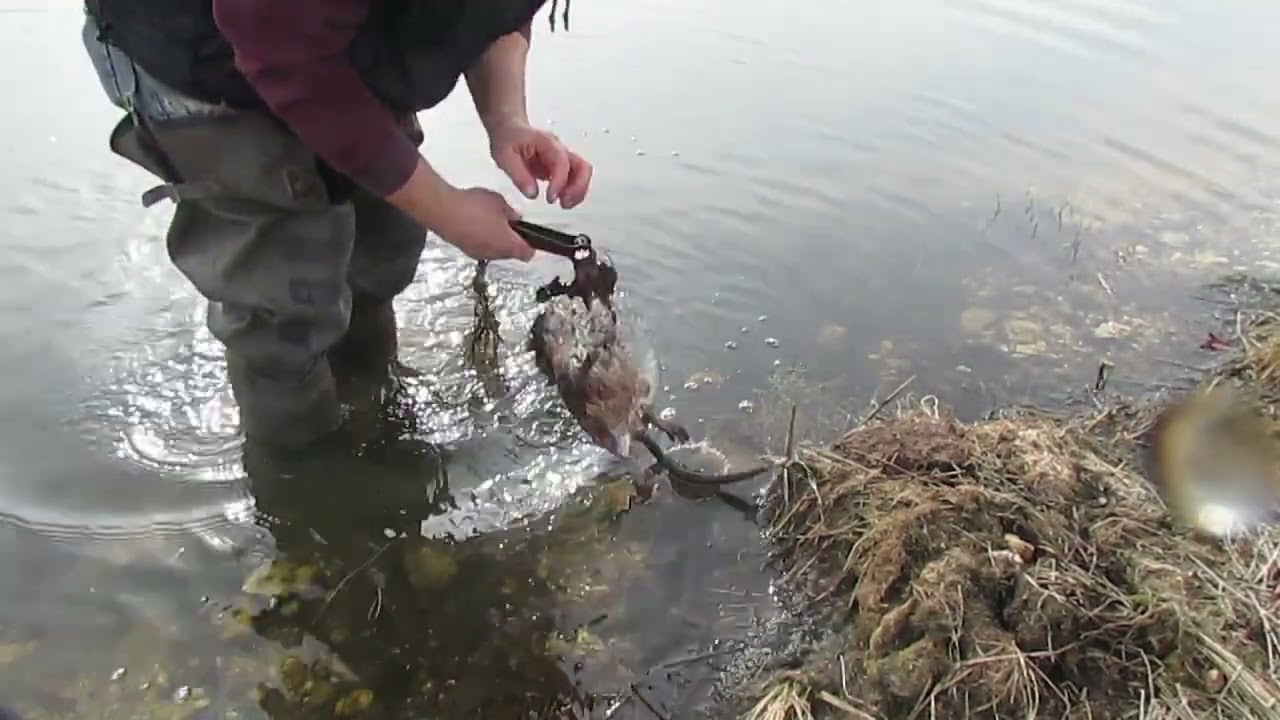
(1018, 567)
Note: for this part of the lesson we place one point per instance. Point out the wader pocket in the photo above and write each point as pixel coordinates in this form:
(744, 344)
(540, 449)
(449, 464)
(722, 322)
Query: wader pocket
(126, 142)
(247, 156)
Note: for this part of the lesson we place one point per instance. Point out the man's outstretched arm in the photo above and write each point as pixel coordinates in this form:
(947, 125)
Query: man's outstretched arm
(497, 81)
(526, 155)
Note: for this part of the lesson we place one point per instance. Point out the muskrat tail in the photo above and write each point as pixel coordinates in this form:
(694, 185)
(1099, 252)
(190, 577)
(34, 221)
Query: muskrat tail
(680, 472)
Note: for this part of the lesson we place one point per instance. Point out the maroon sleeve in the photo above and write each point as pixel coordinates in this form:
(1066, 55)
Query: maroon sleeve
(296, 58)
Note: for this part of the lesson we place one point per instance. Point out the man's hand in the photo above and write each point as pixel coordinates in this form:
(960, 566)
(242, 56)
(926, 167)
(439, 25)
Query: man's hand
(474, 220)
(528, 155)
(525, 154)
(477, 221)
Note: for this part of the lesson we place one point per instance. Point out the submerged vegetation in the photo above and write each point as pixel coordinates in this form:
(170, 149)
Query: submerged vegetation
(376, 628)
(1021, 566)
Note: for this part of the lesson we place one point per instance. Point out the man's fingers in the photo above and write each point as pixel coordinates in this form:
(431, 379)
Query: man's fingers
(575, 190)
(519, 249)
(508, 209)
(510, 162)
(556, 160)
(514, 245)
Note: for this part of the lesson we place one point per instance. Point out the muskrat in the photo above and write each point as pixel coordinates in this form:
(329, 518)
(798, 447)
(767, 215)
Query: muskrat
(577, 348)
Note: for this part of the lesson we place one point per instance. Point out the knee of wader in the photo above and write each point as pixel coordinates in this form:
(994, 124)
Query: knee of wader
(370, 341)
(387, 248)
(369, 373)
(284, 343)
(284, 408)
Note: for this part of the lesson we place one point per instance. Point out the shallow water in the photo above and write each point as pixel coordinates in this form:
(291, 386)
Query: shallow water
(989, 195)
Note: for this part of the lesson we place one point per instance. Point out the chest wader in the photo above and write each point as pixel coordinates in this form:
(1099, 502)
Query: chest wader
(299, 266)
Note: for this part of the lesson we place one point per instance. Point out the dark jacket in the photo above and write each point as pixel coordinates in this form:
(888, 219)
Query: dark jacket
(410, 53)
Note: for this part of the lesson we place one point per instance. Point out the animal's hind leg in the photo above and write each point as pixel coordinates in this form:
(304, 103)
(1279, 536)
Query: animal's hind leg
(670, 428)
(645, 484)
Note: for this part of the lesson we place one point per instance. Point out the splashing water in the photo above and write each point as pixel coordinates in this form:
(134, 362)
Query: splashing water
(514, 454)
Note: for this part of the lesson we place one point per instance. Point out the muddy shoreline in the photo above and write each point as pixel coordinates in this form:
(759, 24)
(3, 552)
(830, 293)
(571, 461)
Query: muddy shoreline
(1017, 566)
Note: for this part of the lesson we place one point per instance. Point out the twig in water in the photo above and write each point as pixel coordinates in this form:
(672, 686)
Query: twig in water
(689, 659)
(618, 703)
(875, 410)
(791, 436)
(342, 583)
(645, 701)
(375, 607)
(739, 593)
(790, 457)
(929, 404)
(1104, 374)
(994, 215)
(844, 677)
(839, 704)
(1240, 333)
(1103, 282)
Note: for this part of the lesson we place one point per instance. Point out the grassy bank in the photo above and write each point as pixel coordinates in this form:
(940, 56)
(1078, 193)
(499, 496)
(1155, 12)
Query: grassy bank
(1020, 567)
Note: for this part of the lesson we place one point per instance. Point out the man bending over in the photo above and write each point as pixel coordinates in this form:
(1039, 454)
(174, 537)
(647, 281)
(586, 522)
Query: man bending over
(285, 133)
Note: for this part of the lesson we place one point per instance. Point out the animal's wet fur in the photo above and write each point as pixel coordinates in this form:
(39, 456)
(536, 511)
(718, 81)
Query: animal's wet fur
(577, 349)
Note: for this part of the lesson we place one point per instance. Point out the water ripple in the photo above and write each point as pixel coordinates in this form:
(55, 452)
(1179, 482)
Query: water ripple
(151, 538)
(1054, 25)
(513, 454)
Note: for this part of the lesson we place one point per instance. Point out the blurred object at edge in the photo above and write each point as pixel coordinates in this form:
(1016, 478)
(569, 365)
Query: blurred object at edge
(1214, 457)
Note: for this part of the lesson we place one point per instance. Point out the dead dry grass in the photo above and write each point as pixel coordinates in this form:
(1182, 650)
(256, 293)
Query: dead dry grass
(1021, 567)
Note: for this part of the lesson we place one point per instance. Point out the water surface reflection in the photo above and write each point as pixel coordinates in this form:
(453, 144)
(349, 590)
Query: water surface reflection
(992, 196)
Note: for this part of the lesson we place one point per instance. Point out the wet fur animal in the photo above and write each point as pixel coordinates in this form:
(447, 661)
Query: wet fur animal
(603, 388)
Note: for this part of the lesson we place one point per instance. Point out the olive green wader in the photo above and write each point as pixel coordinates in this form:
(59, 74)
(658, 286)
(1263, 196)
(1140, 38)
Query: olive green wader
(298, 264)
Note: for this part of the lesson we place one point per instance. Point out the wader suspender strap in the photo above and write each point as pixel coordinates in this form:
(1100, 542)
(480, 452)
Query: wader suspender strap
(146, 136)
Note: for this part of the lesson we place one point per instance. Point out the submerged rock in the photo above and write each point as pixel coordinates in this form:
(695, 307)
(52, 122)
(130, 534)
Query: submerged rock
(294, 674)
(430, 566)
(614, 499)
(280, 577)
(354, 705)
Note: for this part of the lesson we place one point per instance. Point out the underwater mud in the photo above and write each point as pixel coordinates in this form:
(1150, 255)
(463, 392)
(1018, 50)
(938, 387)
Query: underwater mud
(372, 624)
